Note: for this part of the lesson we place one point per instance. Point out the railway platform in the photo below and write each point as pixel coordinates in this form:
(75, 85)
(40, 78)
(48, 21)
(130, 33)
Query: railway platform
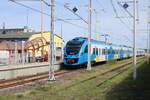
(104, 82)
(19, 70)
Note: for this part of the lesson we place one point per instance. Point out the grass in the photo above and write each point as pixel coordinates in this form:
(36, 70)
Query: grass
(119, 88)
(128, 89)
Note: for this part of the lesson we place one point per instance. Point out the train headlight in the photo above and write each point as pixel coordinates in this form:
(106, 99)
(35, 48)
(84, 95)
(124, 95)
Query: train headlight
(78, 55)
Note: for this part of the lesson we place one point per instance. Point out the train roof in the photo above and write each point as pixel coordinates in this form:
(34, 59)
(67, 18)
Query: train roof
(81, 39)
(84, 38)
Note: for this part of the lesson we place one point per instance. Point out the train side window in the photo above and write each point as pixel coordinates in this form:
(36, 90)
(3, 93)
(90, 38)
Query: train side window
(86, 49)
(103, 51)
(93, 50)
(96, 51)
(99, 51)
(109, 52)
(115, 51)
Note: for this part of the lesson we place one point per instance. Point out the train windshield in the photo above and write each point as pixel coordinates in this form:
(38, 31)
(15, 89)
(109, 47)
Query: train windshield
(73, 48)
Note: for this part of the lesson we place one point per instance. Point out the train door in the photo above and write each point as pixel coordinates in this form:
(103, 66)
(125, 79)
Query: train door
(102, 56)
(85, 54)
(116, 52)
(110, 53)
(121, 54)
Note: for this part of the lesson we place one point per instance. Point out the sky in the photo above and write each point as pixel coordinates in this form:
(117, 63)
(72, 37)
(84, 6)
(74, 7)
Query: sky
(106, 22)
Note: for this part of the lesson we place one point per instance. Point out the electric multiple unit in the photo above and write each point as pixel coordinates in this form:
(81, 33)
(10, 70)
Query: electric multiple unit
(76, 52)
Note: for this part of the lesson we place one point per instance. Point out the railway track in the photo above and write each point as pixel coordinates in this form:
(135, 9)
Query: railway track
(117, 71)
(29, 79)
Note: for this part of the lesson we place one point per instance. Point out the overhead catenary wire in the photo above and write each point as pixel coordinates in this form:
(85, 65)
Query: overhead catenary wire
(61, 4)
(120, 19)
(100, 4)
(126, 39)
(72, 12)
(115, 11)
(126, 11)
(58, 19)
(33, 9)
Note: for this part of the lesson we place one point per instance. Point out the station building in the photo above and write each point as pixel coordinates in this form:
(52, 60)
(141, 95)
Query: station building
(15, 30)
(39, 45)
(35, 45)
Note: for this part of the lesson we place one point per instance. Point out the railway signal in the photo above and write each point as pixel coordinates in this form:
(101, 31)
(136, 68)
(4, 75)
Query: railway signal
(125, 6)
(75, 9)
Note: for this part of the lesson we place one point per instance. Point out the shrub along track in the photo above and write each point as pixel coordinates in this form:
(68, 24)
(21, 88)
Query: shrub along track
(29, 79)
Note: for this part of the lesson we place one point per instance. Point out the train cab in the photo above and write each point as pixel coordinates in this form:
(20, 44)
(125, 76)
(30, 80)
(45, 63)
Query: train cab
(74, 52)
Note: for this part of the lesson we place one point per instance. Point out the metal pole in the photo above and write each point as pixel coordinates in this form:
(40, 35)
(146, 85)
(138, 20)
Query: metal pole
(62, 44)
(27, 20)
(149, 47)
(134, 39)
(96, 25)
(62, 52)
(42, 20)
(23, 54)
(148, 34)
(148, 31)
(89, 35)
(105, 39)
(54, 52)
(51, 50)
(148, 53)
(16, 53)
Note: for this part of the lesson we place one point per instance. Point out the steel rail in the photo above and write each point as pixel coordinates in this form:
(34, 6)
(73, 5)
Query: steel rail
(27, 79)
(101, 74)
(31, 78)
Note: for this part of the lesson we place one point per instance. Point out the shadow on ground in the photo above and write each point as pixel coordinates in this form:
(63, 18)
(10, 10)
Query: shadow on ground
(133, 90)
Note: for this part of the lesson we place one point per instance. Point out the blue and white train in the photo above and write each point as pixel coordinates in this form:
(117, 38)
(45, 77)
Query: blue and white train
(76, 52)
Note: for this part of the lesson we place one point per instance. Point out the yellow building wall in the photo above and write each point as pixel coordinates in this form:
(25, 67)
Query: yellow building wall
(58, 41)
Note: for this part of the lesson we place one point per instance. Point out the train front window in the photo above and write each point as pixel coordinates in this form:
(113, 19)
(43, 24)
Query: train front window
(73, 48)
